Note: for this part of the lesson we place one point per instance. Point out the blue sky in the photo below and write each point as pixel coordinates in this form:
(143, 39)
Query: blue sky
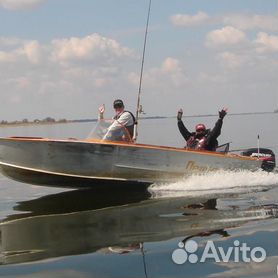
(65, 18)
(201, 55)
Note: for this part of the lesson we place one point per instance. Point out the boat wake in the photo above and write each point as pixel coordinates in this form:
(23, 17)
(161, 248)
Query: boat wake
(216, 182)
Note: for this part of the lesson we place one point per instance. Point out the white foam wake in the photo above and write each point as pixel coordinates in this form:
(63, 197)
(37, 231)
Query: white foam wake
(216, 182)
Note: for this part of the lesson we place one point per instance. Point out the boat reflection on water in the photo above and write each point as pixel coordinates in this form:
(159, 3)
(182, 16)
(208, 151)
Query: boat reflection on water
(87, 221)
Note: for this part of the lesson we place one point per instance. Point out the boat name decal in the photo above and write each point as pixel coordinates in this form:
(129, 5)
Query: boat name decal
(193, 166)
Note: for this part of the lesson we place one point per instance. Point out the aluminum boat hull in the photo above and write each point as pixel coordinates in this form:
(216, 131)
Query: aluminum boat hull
(82, 162)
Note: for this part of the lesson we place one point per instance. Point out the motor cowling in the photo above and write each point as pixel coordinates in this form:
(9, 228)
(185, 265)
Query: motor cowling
(266, 155)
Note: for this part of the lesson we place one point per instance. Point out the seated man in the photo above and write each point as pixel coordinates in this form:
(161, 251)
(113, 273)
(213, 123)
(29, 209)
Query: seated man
(122, 125)
(202, 138)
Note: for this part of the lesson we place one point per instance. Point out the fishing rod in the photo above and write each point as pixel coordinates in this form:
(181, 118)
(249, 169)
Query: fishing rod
(139, 107)
(144, 258)
(258, 144)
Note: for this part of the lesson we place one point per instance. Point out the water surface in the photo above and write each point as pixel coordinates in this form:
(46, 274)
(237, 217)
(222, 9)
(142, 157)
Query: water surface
(55, 232)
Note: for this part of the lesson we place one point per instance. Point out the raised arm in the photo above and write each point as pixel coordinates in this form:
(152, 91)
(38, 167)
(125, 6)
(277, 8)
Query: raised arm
(216, 131)
(101, 111)
(183, 130)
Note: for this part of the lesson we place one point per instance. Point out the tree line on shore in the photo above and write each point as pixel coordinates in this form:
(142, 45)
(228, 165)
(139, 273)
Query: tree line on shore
(49, 120)
(35, 121)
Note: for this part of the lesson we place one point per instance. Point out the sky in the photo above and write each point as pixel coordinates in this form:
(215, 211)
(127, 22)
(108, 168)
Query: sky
(65, 58)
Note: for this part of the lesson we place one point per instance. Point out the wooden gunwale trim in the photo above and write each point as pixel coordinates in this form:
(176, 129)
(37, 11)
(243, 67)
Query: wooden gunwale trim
(127, 144)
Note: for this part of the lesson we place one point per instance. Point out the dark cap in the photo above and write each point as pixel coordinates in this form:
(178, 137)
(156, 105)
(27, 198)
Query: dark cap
(118, 103)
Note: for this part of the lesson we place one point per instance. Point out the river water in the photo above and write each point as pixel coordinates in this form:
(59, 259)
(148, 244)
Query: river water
(196, 227)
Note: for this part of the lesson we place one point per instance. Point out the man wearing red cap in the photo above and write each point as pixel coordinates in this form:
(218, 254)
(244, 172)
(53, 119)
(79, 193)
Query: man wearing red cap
(202, 138)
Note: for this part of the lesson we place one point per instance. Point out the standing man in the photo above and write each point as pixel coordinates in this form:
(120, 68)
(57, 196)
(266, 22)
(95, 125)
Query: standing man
(123, 120)
(202, 138)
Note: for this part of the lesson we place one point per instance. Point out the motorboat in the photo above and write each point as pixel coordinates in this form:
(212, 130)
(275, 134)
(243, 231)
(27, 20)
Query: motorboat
(105, 159)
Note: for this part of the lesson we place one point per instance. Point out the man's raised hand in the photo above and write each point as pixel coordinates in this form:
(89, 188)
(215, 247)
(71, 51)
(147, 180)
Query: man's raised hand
(179, 115)
(101, 109)
(223, 113)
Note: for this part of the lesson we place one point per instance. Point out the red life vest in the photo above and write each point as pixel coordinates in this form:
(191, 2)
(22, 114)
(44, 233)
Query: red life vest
(196, 144)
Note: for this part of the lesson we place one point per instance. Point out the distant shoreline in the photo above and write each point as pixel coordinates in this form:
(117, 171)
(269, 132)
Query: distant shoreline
(39, 123)
(31, 124)
(64, 121)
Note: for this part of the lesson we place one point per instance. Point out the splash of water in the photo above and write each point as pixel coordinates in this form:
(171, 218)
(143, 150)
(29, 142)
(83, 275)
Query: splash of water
(216, 182)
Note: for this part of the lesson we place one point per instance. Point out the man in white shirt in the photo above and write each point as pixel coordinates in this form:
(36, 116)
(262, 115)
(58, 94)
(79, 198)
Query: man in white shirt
(123, 124)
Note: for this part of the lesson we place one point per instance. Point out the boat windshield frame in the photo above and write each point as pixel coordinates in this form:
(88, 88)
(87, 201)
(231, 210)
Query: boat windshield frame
(101, 132)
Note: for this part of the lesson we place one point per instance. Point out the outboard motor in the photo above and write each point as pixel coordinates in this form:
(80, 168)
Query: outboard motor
(266, 155)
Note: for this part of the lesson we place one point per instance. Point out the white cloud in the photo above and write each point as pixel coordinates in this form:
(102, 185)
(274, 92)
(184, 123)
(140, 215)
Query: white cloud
(170, 71)
(231, 60)
(252, 21)
(10, 41)
(84, 71)
(22, 82)
(266, 43)
(226, 36)
(19, 4)
(189, 20)
(171, 65)
(242, 21)
(74, 76)
(29, 51)
(6, 57)
(88, 49)
(67, 52)
(32, 50)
